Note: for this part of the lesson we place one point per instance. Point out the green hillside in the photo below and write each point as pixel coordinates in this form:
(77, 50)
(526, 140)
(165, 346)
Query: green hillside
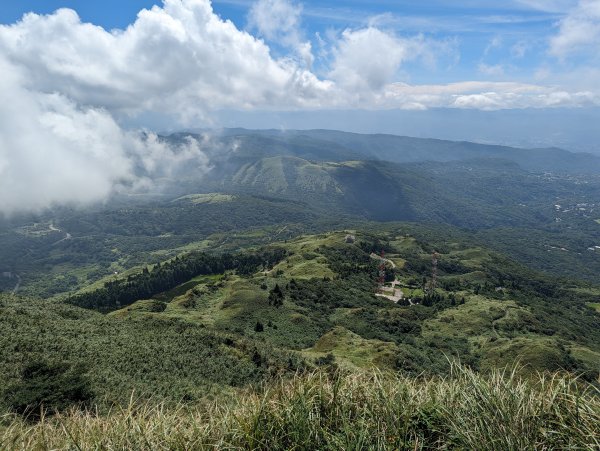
(315, 299)
(305, 184)
(215, 325)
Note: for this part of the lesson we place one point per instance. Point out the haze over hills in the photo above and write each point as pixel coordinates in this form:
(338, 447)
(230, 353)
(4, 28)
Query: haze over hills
(502, 195)
(329, 145)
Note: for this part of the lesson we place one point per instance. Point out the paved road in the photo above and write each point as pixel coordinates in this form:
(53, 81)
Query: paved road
(55, 229)
(378, 257)
(18, 285)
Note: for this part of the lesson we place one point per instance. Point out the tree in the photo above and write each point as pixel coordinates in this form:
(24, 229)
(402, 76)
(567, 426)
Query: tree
(276, 296)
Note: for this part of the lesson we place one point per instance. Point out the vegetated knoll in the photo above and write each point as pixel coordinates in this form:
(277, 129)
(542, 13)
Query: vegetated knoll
(167, 276)
(487, 310)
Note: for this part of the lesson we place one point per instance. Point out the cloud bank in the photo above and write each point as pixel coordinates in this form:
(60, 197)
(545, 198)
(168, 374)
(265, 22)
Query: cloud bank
(64, 83)
(53, 151)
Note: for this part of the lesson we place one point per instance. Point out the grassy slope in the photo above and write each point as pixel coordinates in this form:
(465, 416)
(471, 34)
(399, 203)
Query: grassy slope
(489, 330)
(344, 411)
(153, 355)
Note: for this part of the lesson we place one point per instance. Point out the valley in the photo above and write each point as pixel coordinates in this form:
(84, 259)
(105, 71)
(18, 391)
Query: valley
(274, 267)
(303, 184)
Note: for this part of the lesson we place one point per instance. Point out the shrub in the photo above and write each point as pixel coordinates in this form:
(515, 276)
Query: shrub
(46, 388)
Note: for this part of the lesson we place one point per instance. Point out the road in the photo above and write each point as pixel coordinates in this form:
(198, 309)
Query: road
(18, 285)
(67, 237)
(55, 229)
(394, 294)
(379, 257)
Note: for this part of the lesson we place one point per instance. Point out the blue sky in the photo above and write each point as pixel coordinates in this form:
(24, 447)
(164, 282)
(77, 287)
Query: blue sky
(378, 54)
(486, 39)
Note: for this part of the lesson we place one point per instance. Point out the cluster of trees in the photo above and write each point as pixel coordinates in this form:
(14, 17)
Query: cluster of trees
(276, 296)
(438, 299)
(121, 292)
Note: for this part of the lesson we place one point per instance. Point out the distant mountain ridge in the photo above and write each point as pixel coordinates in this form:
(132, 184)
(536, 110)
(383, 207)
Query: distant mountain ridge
(330, 145)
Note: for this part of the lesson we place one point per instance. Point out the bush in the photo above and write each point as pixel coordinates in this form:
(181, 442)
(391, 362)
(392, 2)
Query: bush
(46, 388)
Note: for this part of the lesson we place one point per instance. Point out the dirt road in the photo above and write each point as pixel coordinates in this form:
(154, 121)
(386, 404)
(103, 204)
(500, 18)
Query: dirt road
(392, 293)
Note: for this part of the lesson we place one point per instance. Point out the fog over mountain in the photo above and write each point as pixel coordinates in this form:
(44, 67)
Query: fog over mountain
(79, 100)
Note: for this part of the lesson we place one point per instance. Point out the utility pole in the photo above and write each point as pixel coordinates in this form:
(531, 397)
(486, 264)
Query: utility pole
(381, 278)
(434, 266)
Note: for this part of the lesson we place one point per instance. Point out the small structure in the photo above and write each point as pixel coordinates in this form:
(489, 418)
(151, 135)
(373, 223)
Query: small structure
(350, 239)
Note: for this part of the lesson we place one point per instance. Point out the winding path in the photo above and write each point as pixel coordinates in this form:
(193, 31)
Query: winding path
(55, 229)
(18, 285)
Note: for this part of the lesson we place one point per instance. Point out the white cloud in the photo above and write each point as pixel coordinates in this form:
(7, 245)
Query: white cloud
(275, 18)
(280, 21)
(484, 96)
(64, 82)
(54, 152)
(182, 59)
(578, 31)
(171, 59)
(368, 59)
(493, 70)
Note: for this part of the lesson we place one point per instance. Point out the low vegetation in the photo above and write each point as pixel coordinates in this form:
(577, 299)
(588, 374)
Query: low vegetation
(336, 410)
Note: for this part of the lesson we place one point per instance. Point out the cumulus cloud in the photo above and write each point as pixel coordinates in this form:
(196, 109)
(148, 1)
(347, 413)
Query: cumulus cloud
(367, 59)
(578, 31)
(173, 59)
(280, 21)
(53, 151)
(64, 83)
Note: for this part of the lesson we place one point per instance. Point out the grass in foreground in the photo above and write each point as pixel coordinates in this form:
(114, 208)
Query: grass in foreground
(351, 411)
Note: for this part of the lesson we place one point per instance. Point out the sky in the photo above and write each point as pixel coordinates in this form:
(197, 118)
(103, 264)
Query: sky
(86, 84)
